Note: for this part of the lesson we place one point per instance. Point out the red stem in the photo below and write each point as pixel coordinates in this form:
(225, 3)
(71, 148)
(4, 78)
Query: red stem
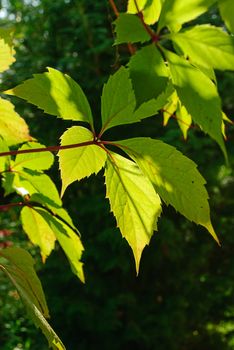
(154, 37)
(49, 148)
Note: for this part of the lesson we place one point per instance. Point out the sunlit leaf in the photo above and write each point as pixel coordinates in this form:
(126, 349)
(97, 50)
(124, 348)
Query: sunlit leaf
(78, 163)
(13, 128)
(150, 8)
(226, 8)
(207, 46)
(184, 119)
(199, 95)
(6, 50)
(174, 176)
(69, 241)
(176, 12)
(38, 231)
(4, 161)
(133, 201)
(34, 161)
(118, 100)
(19, 268)
(57, 94)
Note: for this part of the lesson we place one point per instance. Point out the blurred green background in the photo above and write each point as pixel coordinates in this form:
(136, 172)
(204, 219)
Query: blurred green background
(183, 297)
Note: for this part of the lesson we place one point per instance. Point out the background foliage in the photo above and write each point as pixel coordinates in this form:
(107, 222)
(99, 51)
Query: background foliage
(184, 295)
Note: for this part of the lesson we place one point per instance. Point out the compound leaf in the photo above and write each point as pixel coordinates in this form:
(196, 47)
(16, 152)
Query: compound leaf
(129, 29)
(207, 46)
(13, 128)
(174, 176)
(78, 163)
(133, 201)
(57, 94)
(19, 269)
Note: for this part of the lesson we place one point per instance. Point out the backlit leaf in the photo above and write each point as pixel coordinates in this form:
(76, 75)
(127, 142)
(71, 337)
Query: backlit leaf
(199, 95)
(78, 163)
(34, 161)
(226, 8)
(57, 94)
(69, 241)
(184, 119)
(38, 231)
(13, 128)
(118, 100)
(133, 201)
(174, 176)
(4, 161)
(150, 8)
(148, 73)
(19, 269)
(207, 46)
(176, 12)
(6, 51)
(129, 29)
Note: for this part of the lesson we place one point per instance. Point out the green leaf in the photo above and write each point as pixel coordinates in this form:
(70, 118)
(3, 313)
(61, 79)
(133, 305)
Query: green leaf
(199, 95)
(57, 94)
(176, 12)
(13, 128)
(148, 73)
(150, 8)
(151, 107)
(35, 182)
(6, 51)
(38, 230)
(34, 161)
(184, 119)
(129, 29)
(133, 201)
(170, 108)
(207, 46)
(22, 274)
(174, 176)
(4, 161)
(226, 8)
(78, 163)
(69, 241)
(118, 100)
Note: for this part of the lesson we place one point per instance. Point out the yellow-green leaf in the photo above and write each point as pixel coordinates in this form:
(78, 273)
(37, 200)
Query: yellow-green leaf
(34, 161)
(150, 8)
(6, 52)
(12, 127)
(19, 268)
(57, 94)
(78, 163)
(207, 46)
(133, 201)
(199, 95)
(176, 12)
(38, 231)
